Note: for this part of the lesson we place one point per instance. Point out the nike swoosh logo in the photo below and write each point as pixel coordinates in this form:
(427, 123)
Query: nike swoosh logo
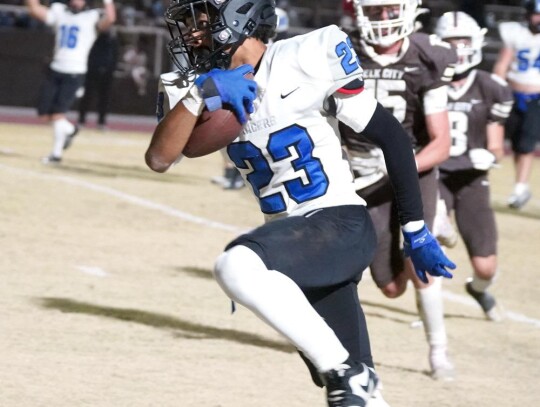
(288, 94)
(411, 68)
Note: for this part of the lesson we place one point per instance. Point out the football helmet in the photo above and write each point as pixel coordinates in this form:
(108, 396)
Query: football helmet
(206, 33)
(377, 30)
(533, 7)
(459, 25)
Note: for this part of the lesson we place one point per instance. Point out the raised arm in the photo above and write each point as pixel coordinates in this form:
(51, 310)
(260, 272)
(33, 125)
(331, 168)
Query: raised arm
(37, 10)
(109, 17)
(505, 58)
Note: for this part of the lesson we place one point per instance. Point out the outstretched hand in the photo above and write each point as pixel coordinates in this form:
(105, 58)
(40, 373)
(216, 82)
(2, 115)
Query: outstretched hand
(426, 255)
(229, 86)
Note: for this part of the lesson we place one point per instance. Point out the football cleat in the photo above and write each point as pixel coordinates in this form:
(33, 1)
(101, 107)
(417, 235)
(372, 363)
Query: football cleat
(444, 231)
(70, 137)
(236, 182)
(51, 159)
(487, 303)
(350, 385)
(230, 180)
(517, 201)
(441, 367)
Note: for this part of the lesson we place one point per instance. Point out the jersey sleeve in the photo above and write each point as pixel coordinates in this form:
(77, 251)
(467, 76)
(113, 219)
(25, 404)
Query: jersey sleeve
(509, 31)
(171, 89)
(439, 57)
(54, 12)
(95, 15)
(443, 62)
(338, 68)
(500, 97)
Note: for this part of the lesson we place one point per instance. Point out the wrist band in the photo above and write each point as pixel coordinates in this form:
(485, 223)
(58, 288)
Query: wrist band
(193, 101)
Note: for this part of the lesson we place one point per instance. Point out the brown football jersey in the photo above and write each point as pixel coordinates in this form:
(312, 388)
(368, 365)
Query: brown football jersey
(400, 83)
(484, 98)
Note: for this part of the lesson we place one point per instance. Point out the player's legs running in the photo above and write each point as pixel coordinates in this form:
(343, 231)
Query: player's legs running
(523, 128)
(429, 297)
(391, 273)
(57, 96)
(476, 224)
(253, 268)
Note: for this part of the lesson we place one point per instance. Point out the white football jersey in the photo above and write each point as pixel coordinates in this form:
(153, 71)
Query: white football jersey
(75, 35)
(290, 151)
(525, 68)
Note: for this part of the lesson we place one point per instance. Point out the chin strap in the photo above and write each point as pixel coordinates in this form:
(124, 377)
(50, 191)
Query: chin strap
(462, 75)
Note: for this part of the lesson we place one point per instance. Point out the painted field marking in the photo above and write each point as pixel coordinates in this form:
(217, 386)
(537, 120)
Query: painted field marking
(135, 200)
(94, 271)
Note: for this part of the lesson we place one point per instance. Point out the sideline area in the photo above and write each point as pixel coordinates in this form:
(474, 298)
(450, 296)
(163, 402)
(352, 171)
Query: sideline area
(116, 122)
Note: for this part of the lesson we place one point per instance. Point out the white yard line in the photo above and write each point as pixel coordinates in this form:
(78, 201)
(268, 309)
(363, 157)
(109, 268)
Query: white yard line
(176, 213)
(135, 200)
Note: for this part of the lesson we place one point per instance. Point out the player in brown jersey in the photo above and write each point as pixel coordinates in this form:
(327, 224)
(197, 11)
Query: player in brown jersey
(408, 74)
(478, 103)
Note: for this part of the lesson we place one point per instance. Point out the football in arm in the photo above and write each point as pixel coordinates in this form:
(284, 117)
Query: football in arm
(212, 132)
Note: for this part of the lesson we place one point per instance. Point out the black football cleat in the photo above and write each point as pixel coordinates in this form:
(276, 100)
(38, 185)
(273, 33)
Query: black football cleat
(350, 384)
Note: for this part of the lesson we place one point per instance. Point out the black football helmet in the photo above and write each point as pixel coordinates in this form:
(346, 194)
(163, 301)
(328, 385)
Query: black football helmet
(206, 33)
(533, 7)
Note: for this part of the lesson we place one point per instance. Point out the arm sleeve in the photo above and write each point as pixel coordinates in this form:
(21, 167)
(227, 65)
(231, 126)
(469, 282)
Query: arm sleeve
(385, 131)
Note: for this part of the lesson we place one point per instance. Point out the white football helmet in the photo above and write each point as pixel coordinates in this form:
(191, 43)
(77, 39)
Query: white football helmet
(459, 25)
(384, 32)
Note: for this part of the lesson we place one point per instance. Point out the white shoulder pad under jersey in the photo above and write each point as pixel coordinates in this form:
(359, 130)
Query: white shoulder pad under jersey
(171, 88)
(289, 150)
(75, 33)
(526, 46)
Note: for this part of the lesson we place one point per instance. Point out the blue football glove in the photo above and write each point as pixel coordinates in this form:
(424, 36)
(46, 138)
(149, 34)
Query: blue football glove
(229, 86)
(426, 254)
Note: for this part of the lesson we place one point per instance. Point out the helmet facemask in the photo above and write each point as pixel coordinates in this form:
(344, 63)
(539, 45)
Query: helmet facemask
(385, 22)
(192, 47)
(206, 33)
(465, 35)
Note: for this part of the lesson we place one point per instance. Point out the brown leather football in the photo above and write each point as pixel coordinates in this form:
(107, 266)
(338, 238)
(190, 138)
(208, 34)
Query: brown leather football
(212, 132)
